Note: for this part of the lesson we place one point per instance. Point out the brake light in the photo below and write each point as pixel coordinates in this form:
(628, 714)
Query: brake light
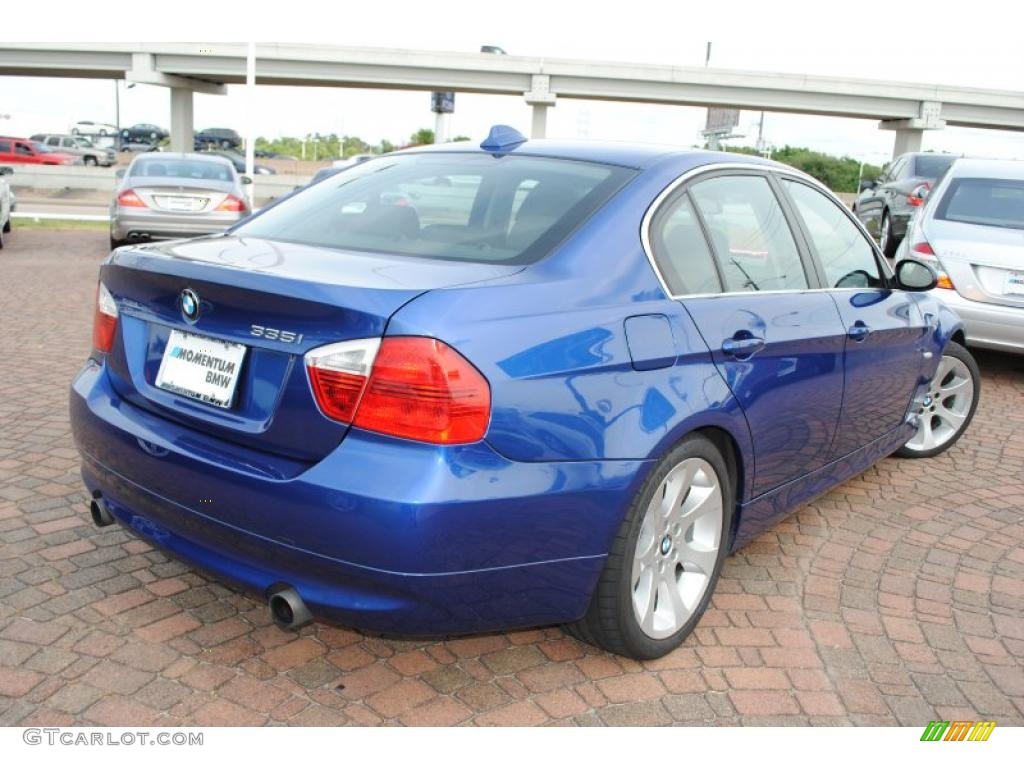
(128, 199)
(924, 248)
(104, 321)
(918, 194)
(232, 203)
(405, 386)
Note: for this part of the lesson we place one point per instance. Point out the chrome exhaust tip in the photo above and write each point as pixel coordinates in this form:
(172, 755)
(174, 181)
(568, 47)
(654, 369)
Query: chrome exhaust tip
(287, 609)
(100, 514)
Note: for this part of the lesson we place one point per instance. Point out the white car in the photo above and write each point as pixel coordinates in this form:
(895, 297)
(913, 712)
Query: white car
(90, 128)
(971, 230)
(6, 202)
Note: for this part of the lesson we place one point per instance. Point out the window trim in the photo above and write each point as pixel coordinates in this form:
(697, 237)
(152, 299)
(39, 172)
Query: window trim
(680, 185)
(668, 208)
(774, 173)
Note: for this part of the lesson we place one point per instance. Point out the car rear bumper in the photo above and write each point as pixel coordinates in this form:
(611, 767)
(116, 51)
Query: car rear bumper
(382, 534)
(158, 225)
(992, 326)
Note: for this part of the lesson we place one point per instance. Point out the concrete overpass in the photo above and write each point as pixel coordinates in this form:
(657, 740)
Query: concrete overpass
(908, 109)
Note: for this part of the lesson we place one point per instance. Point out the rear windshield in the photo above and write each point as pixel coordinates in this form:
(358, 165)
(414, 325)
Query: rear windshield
(932, 166)
(991, 202)
(458, 206)
(181, 169)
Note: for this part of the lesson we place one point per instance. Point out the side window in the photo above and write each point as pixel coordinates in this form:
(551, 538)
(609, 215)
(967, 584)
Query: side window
(681, 251)
(52, 141)
(749, 234)
(23, 149)
(848, 258)
(5, 146)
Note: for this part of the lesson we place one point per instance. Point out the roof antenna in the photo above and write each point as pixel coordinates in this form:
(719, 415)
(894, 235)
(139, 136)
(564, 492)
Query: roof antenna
(502, 138)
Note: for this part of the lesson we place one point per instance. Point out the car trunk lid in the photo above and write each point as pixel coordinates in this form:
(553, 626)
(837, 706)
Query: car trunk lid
(985, 263)
(278, 300)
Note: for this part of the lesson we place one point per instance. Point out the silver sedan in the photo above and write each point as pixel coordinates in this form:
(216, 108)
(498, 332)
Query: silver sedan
(174, 195)
(971, 229)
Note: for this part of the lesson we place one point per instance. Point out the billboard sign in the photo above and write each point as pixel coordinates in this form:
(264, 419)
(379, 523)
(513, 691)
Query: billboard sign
(442, 102)
(721, 120)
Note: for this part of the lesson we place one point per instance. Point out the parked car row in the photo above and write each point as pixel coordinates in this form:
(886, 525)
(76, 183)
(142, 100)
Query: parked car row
(80, 146)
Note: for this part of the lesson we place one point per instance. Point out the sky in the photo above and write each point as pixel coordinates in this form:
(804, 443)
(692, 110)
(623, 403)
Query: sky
(815, 39)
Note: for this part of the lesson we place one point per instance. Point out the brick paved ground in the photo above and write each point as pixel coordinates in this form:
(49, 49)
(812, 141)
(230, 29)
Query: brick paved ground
(896, 599)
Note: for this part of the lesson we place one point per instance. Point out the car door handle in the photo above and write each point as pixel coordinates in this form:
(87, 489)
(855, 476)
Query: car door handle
(858, 331)
(742, 348)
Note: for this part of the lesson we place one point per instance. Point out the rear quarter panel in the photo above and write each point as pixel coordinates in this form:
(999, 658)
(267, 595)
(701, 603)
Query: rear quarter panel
(551, 341)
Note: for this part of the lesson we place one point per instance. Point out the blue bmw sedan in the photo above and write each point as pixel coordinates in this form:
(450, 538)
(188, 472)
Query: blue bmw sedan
(461, 389)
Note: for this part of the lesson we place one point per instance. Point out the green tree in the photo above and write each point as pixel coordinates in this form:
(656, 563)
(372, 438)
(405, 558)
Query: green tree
(837, 173)
(422, 136)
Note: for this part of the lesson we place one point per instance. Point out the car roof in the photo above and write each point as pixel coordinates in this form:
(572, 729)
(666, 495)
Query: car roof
(633, 155)
(208, 156)
(995, 169)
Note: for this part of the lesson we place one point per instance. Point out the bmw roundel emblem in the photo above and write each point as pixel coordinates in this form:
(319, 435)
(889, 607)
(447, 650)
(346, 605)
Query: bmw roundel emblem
(189, 303)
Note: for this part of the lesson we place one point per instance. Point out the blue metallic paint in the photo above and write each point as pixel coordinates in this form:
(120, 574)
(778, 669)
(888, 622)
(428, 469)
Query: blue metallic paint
(801, 362)
(595, 373)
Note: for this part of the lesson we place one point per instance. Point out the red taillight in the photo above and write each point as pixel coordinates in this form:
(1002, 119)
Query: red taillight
(128, 199)
(104, 321)
(232, 203)
(923, 248)
(417, 388)
(918, 194)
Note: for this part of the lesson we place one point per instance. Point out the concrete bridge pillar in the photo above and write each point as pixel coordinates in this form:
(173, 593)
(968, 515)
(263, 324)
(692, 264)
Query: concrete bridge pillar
(540, 97)
(910, 131)
(182, 131)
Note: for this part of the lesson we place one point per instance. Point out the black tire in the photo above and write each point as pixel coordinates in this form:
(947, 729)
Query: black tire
(7, 224)
(89, 161)
(103, 131)
(887, 240)
(115, 243)
(74, 131)
(6, 228)
(610, 621)
(959, 352)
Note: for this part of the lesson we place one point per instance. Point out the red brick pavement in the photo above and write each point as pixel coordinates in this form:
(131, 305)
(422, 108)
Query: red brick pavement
(895, 599)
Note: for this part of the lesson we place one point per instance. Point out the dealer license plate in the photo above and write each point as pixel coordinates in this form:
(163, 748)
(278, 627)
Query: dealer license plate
(202, 368)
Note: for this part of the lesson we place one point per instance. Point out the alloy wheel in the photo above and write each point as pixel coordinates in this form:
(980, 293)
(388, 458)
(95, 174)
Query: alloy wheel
(945, 407)
(677, 548)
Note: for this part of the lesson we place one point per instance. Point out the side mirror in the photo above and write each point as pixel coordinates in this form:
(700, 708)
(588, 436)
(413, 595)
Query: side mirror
(868, 184)
(120, 172)
(6, 170)
(913, 275)
(245, 179)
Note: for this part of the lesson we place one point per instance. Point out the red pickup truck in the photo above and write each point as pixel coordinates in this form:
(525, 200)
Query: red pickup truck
(26, 151)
